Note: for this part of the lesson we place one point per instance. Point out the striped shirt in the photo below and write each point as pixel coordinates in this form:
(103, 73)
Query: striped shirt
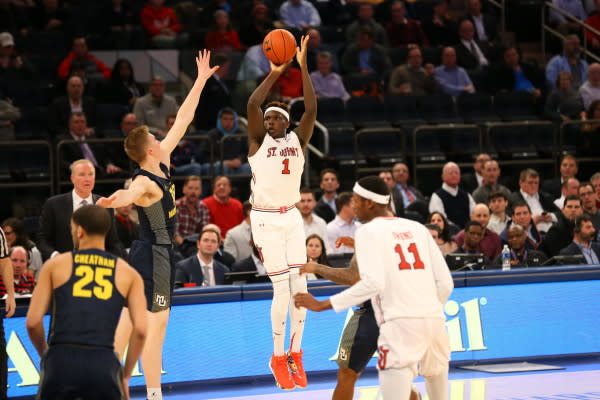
(25, 284)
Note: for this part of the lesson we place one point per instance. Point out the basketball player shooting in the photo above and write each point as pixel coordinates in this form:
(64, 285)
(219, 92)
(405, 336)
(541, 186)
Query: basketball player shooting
(153, 192)
(404, 274)
(277, 161)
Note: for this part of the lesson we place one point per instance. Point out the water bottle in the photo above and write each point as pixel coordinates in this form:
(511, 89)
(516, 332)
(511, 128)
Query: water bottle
(505, 258)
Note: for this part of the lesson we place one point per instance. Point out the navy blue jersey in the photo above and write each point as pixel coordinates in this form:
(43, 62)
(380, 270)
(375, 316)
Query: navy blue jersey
(157, 222)
(86, 309)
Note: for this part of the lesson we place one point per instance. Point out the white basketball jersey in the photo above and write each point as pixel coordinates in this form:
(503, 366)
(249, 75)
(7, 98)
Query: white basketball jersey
(277, 171)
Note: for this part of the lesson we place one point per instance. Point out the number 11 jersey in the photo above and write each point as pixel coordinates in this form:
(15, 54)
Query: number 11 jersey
(276, 172)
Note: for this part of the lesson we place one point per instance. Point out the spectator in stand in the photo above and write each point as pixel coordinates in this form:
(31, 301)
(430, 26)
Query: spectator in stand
(59, 112)
(54, 235)
(592, 39)
(9, 114)
(469, 52)
(564, 103)
(450, 200)
(396, 200)
(80, 55)
(588, 202)
(192, 215)
(401, 176)
(23, 282)
(490, 243)
(14, 18)
(16, 236)
(411, 78)
(127, 229)
(13, 66)
(202, 269)
(445, 241)
(365, 56)
(562, 23)
(570, 187)
(93, 152)
(314, 48)
(513, 75)
(329, 183)
(343, 225)
(472, 180)
(435, 232)
(402, 31)
(315, 252)
(299, 14)
(222, 37)
(153, 108)
(254, 30)
(364, 21)
(234, 157)
(128, 123)
(221, 255)
(453, 80)
(225, 211)
(498, 203)
(313, 224)
(584, 234)
(216, 94)
(485, 24)
(237, 242)
(540, 203)
(521, 215)
(254, 65)
(520, 255)
(252, 263)
(588, 140)
(325, 82)
(288, 86)
(161, 24)
(561, 233)
(570, 61)
(121, 26)
(472, 243)
(489, 184)
(595, 181)
(590, 89)
(568, 168)
(439, 28)
(49, 15)
(122, 87)
(189, 157)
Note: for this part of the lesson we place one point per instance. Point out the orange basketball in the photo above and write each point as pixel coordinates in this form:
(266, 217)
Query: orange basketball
(279, 46)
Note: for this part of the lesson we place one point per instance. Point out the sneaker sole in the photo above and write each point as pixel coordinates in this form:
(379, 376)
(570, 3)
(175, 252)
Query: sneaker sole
(277, 383)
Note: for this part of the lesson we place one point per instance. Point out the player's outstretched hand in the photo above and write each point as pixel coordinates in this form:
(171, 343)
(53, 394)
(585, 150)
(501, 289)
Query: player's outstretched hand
(106, 202)
(308, 268)
(203, 64)
(302, 50)
(344, 241)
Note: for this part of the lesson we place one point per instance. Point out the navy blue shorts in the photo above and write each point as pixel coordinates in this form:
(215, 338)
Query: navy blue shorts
(73, 372)
(359, 340)
(155, 265)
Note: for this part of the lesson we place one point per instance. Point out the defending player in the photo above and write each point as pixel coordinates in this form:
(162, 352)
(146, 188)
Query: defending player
(88, 288)
(153, 192)
(405, 275)
(277, 162)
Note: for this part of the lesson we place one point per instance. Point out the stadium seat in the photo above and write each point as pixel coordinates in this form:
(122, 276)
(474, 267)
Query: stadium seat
(398, 55)
(515, 106)
(381, 146)
(366, 111)
(438, 109)
(331, 110)
(341, 143)
(476, 108)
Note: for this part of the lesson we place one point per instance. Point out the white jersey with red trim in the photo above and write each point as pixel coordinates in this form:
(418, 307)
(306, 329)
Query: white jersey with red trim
(402, 271)
(277, 169)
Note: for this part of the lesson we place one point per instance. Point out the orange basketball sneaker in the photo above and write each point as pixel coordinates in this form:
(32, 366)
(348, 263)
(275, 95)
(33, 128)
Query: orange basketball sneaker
(281, 372)
(298, 374)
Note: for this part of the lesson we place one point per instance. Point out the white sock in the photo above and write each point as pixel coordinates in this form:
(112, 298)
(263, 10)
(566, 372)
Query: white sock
(154, 394)
(396, 383)
(297, 315)
(437, 386)
(279, 310)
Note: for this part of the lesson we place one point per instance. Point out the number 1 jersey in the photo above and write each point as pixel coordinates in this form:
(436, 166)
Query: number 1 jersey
(276, 172)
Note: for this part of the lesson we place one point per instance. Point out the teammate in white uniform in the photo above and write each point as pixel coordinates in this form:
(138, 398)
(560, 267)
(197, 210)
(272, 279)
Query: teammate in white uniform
(406, 277)
(277, 162)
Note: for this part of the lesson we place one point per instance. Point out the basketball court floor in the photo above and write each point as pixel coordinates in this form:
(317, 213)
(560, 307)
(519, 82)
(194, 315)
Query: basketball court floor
(579, 379)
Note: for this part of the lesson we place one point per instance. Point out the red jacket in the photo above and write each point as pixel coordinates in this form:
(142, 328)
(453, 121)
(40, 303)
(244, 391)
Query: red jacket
(65, 66)
(594, 22)
(223, 41)
(290, 83)
(155, 20)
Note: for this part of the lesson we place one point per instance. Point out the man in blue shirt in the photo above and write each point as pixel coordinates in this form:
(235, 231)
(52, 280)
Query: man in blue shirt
(569, 61)
(299, 14)
(453, 79)
(583, 234)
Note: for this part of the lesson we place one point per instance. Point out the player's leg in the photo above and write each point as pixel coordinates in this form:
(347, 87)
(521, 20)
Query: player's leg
(123, 333)
(434, 364)
(152, 352)
(346, 379)
(396, 383)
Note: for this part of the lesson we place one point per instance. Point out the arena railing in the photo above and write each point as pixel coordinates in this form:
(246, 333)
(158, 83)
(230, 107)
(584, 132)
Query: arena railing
(380, 152)
(546, 7)
(24, 174)
(564, 147)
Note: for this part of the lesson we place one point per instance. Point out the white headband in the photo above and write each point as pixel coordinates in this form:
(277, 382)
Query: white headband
(367, 194)
(279, 110)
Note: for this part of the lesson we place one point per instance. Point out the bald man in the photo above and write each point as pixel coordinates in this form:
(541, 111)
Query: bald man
(590, 90)
(490, 245)
(450, 200)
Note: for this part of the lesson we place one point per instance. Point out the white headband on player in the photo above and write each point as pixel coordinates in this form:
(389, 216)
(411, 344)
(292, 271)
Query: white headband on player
(367, 194)
(279, 110)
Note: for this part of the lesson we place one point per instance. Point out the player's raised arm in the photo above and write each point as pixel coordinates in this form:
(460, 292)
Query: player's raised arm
(186, 112)
(138, 190)
(256, 127)
(307, 121)
(38, 306)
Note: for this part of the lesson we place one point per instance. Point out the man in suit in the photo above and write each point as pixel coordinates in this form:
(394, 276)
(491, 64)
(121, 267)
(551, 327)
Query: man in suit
(63, 106)
(484, 24)
(329, 184)
(396, 201)
(202, 269)
(541, 204)
(469, 53)
(412, 199)
(583, 236)
(237, 242)
(365, 56)
(469, 182)
(521, 215)
(561, 233)
(54, 235)
(568, 169)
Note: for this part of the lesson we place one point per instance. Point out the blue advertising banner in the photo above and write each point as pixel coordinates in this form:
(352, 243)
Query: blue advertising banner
(233, 339)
